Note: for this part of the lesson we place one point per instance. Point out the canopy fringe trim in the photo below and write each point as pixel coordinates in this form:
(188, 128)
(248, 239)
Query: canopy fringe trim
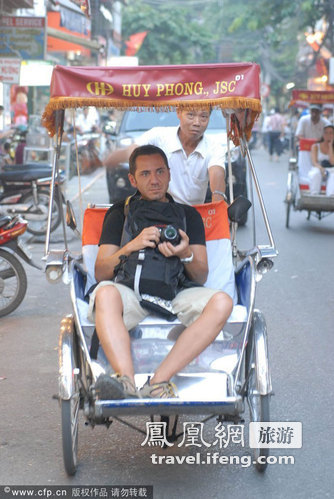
(231, 104)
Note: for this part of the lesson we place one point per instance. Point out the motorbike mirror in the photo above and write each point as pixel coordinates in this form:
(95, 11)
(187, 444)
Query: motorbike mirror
(238, 208)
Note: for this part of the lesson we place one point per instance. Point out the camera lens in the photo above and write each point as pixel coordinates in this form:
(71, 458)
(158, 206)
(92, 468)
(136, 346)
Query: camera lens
(170, 234)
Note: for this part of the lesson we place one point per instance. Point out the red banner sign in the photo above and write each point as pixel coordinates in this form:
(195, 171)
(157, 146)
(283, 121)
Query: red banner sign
(157, 83)
(229, 86)
(312, 96)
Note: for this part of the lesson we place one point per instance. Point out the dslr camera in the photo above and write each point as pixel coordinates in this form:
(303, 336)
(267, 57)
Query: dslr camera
(169, 234)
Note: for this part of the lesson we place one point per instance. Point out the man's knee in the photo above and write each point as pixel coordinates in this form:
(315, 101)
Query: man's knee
(106, 296)
(221, 303)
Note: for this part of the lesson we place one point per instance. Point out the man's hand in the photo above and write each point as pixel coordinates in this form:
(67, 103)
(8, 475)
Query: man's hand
(148, 238)
(181, 250)
(197, 270)
(109, 254)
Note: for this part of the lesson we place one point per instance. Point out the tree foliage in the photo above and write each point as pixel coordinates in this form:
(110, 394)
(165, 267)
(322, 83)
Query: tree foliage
(174, 36)
(273, 31)
(269, 32)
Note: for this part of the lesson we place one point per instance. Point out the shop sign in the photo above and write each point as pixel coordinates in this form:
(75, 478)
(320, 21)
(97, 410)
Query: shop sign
(23, 37)
(36, 73)
(10, 70)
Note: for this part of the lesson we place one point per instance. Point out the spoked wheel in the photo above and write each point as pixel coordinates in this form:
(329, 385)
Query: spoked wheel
(69, 394)
(259, 412)
(70, 425)
(37, 215)
(13, 283)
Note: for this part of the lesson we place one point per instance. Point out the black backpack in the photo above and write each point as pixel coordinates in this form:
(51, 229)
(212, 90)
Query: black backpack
(154, 278)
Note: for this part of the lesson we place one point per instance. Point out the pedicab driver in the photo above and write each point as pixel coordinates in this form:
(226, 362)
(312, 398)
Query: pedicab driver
(202, 310)
(193, 157)
(311, 126)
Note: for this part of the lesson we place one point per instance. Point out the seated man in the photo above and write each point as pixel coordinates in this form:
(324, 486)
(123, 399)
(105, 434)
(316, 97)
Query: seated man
(117, 307)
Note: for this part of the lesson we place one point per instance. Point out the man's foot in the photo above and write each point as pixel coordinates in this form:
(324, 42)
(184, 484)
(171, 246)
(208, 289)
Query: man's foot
(115, 387)
(162, 390)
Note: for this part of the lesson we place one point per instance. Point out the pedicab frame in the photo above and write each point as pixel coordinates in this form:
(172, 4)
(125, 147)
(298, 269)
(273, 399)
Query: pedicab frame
(298, 196)
(234, 88)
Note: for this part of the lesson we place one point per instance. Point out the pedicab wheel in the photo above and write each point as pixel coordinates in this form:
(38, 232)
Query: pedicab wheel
(13, 283)
(70, 424)
(69, 393)
(37, 216)
(259, 412)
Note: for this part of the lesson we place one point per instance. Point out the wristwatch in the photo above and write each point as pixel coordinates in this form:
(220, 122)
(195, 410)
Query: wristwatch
(222, 194)
(189, 259)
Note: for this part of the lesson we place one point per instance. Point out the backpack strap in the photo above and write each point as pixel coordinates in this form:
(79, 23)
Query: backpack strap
(126, 236)
(139, 268)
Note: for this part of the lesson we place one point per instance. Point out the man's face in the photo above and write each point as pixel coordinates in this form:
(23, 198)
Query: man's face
(315, 115)
(151, 177)
(193, 123)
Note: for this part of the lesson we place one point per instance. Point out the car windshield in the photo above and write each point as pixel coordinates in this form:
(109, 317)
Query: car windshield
(137, 121)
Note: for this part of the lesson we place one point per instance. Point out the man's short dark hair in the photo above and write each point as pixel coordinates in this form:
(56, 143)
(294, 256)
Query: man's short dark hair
(145, 150)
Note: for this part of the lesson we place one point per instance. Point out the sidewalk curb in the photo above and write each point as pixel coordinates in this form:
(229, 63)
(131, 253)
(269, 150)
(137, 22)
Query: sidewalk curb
(86, 181)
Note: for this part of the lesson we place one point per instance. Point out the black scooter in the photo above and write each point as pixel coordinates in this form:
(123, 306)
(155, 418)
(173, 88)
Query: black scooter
(24, 190)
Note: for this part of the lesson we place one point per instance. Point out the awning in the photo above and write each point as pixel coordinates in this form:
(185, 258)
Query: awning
(18, 4)
(232, 87)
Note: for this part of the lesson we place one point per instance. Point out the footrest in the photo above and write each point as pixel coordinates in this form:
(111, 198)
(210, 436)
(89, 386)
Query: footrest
(315, 202)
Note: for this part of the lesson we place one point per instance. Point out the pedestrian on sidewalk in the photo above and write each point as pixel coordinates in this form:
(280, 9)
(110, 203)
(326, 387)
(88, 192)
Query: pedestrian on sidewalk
(276, 127)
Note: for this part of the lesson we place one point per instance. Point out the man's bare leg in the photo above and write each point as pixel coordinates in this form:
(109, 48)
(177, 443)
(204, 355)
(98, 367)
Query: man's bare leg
(196, 337)
(112, 333)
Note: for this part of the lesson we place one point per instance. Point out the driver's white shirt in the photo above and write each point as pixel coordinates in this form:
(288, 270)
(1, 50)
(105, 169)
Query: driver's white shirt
(189, 174)
(309, 130)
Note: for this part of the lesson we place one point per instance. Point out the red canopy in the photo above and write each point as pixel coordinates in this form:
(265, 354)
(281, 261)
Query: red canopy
(302, 97)
(229, 86)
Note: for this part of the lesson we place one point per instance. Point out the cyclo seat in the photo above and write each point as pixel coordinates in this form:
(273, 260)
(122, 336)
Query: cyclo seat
(154, 336)
(305, 164)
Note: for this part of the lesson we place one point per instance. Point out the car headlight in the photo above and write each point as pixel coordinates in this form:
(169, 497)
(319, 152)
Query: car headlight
(125, 142)
(120, 183)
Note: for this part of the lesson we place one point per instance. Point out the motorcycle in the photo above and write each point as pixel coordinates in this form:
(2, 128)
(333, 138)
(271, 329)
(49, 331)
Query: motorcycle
(13, 278)
(12, 147)
(24, 190)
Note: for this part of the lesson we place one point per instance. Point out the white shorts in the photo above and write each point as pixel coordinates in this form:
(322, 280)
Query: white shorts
(187, 305)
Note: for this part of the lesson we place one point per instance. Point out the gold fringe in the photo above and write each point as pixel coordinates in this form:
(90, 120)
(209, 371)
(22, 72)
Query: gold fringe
(233, 103)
